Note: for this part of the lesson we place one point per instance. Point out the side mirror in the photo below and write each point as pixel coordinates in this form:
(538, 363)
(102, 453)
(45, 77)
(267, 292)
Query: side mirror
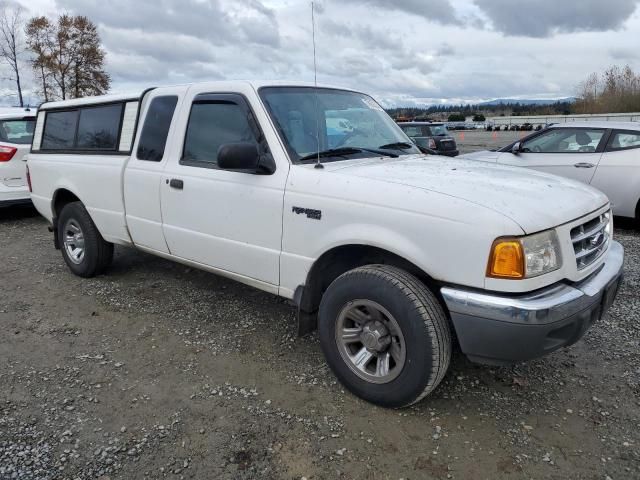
(238, 156)
(516, 149)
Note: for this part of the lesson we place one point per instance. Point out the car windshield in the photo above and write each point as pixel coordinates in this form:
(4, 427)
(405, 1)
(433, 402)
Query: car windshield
(417, 131)
(17, 131)
(312, 120)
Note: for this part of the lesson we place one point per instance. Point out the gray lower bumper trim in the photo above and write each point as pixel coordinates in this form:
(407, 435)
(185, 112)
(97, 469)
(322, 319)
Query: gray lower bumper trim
(499, 329)
(541, 307)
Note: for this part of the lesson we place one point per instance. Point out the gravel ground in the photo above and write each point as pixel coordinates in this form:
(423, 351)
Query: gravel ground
(155, 370)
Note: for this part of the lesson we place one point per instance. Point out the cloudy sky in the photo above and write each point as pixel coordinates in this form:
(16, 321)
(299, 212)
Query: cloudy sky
(404, 52)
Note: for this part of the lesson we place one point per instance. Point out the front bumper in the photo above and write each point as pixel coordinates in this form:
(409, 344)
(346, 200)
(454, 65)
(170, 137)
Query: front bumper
(500, 329)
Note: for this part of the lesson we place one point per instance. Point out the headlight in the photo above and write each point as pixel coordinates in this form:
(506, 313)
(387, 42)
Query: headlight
(525, 257)
(609, 228)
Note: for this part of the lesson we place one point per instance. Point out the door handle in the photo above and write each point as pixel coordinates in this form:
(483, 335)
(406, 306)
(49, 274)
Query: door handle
(583, 165)
(176, 183)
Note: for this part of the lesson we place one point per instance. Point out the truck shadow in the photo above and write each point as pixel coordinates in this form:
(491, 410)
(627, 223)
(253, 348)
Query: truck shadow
(625, 223)
(17, 212)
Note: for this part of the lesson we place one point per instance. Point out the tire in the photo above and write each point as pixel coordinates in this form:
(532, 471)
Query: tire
(76, 231)
(415, 333)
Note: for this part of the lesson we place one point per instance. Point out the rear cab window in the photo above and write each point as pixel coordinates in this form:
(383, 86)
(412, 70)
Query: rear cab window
(59, 130)
(98, 128)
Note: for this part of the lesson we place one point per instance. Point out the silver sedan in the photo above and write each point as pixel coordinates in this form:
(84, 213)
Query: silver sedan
(605, 155)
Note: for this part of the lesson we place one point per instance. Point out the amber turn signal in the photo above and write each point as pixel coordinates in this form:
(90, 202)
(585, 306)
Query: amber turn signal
(506, 260)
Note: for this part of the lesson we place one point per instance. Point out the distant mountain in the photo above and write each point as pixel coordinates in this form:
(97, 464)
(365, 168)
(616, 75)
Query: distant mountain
(524, 101)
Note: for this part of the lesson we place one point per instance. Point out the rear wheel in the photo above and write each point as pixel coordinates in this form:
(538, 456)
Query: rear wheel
(384, 334)
(84, 250)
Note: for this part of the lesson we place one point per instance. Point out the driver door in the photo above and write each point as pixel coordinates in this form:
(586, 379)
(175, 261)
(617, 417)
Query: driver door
(228, 220)
(569, 152)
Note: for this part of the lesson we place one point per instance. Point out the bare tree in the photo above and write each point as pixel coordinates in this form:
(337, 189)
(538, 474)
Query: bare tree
(39, 39)
(69, 60)
(12, 46)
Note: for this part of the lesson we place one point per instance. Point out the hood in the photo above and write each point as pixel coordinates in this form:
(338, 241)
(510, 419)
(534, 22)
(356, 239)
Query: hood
(534, 200)
(484, 155)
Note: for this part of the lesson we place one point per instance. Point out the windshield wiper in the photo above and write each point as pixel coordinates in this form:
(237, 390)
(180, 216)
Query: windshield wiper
(397, 146)
(345, 152)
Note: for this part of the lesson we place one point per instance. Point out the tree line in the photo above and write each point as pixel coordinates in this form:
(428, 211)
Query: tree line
(479, 111)
(616, 90)
(65, 54)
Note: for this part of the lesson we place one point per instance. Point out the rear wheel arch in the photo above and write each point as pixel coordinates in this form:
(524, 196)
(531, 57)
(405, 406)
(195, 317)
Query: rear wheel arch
(338, 260)
(61, 197)
(84, 250)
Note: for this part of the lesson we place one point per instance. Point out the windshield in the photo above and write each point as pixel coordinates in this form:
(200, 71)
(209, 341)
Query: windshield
(340, 119)
(17, 131)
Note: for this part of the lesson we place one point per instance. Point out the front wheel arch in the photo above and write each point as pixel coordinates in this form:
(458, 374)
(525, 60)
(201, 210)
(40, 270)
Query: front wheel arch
(338, 260)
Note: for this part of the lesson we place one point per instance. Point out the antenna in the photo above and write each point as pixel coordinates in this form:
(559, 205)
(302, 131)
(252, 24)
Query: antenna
(315, 84)
(313, 36)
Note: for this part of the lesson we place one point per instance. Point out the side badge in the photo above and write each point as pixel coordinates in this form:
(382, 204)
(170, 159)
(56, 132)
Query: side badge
(309, 212)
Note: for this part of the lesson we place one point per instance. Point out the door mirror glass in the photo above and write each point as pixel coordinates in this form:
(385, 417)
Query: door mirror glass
(239, 156)
(516, 148)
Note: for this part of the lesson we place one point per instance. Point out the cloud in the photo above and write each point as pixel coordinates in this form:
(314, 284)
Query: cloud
(437, 11)
(376, 38)
(445, 50)
(624, 53)
(545, 18)
(401, 52)
(212, 20)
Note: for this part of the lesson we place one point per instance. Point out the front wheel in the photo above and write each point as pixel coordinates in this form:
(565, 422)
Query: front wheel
(384, 334)
(83, 248)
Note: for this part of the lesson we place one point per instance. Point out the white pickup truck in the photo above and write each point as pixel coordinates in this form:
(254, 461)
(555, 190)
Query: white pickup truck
(316, 195)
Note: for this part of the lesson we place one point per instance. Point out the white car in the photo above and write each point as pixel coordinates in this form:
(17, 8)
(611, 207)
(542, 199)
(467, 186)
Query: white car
(385, 250)
(605, 155)
(16, 132)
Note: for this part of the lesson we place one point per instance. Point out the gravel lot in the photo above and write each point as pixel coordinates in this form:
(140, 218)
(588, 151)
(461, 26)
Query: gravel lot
(155, 370)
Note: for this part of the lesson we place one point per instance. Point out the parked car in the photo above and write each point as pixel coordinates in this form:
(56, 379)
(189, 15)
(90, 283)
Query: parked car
(432, 135)
(605, 155)
(385, 250)
(16, 132)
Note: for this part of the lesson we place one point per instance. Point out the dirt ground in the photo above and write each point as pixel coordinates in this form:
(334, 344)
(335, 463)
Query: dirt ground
(155, 370)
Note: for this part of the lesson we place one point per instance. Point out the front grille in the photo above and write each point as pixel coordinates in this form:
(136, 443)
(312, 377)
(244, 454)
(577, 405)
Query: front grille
(590, 240)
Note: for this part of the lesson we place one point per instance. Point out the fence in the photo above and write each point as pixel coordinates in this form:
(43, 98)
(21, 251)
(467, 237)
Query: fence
(545, 119)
